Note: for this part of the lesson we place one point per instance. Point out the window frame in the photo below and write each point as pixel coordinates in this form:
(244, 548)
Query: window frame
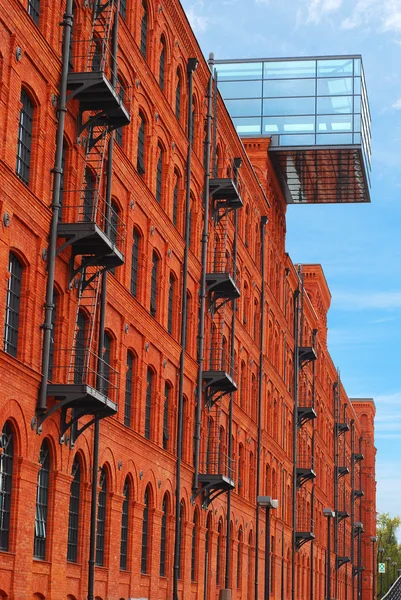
(13, 305)
(125, 513)
(101, 518)
(25, 137)
(73, 512)
(42, 502)
(6, 489)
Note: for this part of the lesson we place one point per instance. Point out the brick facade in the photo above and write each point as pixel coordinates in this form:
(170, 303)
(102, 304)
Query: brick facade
(30, 60)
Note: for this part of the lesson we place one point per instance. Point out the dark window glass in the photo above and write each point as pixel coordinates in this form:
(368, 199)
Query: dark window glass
(145, 534)
(193, 124)
(34, 10)
(73, 519)
(42, 496)
(89, 194)
(80, 340)
(218, 553)
(178, 97)
(124, 527)
(163, 539)
(6, 473)
(180, 553)
(101, 518)
(13, 297)
(193, 547)
(119, 131)
(162, 66)
(153, 285)
(128, 389)
(165, 416)
(114, 223)
(239, 558)
(53, 333)
(106, 364)
(144, 29)
(24, 138)
(159, 176)
(148, 407)
(134, 264)
(123, 8)
(175, 203)
(141, 147)
(170, 304)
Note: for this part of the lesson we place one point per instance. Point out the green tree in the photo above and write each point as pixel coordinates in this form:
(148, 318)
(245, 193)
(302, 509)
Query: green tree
(387, 527)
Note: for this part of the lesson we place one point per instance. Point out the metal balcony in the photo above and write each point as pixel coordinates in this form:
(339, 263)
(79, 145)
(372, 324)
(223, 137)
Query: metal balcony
(225, 194)
(341, 515)
(217, 477)
(222, 285)
(304, 475)
(306, 354)
(305, 414)
(218, 377)
(358, 494)
(341, 428)
(302, 537)
(357, 457)
(342, 560)
(342, 471)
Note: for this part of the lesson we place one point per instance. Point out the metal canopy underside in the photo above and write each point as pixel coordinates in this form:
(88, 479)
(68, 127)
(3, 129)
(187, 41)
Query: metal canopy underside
(324, 175)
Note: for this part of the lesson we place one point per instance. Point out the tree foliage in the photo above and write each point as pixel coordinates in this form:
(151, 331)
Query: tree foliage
(387, 527)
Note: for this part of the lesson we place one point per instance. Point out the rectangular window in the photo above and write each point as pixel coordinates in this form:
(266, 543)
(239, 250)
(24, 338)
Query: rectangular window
(128, 389)
(134, 264)
(170, 305)
(12, 306)
(24, 138)
(73, 519)
(124, 528)
(34, 10)
(166, 436)
(148, 407)
(153, 285)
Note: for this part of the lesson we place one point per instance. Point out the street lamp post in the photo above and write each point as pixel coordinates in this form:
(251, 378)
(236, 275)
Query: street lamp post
(381, 550)
(373, 539)
(268, 503)
(329, 514)
(394, 566)
(359, 532)
(388, 561)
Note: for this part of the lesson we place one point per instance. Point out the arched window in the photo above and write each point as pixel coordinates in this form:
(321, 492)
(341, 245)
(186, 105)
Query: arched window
(89, 196)
(194, 545)
(166, 436)
(73, 517)
(163, 537)
(209, 446)
(192, 136)
(141, 145)
(162, 63)
(145, 532)
(114, 219)
(6, 474)
(171, 295)
(208, 544)
(250, 564)
(219, 552)
(42, 497)
(11, 325)
(124, 526)
(241, 481)
(134, 263)
(239, 558)
(148, 406)
(182, 540)
(178, 96)
(144, 29)
(80, 342)
(175, 200)
(34, 10)
(159, 175)
(101, 517)
(128, 389)
(106, 363)
(153, 284)
(123, 8)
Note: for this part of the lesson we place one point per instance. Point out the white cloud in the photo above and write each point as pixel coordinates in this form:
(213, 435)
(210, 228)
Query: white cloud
(393, 399)
(397, 104)
(317, 9)
(199, 22)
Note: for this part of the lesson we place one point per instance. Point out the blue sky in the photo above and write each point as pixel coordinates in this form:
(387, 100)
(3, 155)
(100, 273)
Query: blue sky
(358, 246)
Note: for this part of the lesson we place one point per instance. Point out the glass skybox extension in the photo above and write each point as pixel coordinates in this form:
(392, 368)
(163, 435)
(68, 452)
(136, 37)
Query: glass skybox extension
(316, 112)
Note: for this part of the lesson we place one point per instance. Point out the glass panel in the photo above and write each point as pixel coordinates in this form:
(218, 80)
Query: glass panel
(334, 124)
(289, 106)
(289, 69)
(289, 87)
(244, 108)
(273, 125)
(357, 66)
(357, 85)
(357, 138)
(334, 87)
(297, 140)
(242, 71)
(333, 139)
(250, 126)
(334, 105)
(357, 104)
(357, 122)
(334, 67)
(241, 89)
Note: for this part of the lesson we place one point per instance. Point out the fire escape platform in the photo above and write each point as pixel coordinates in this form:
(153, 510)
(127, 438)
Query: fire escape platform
(342, 471)
(225, 193)
(302, 537)
(219, 381)
(305, 414)
(88, 239)
(357, 457)
(342, 428)
(95, 92)
(342, 560)
(306, 354)
(222, 285)
(82, 397)
(341, 515)
(304, 475)
(358, 494)
(214, 484)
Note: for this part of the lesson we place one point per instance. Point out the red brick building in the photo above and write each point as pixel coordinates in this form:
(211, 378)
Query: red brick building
(178, 352)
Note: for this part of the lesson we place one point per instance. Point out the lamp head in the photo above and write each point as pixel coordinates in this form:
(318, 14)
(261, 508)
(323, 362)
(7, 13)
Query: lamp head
(267, 502)
(329, 513)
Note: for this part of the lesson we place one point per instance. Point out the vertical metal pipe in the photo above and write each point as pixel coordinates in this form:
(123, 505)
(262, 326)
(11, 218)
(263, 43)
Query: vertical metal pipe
(294, 441)
(203, 289)
(353, 507)
(191, 66)
(328, 558)
(263, 223)
(381, 574)
(336, 390)
(93, 515)
(57, 171)
(267, 557)
(282, 563)
(312, 547)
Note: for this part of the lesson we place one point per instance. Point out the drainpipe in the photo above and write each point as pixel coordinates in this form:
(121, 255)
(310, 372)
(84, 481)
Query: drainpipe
(57, 172)
(203, 290)
(296, 299)
(100, 366)
(191, 66)
(352, 507)
(312, 548)
(263, 223)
